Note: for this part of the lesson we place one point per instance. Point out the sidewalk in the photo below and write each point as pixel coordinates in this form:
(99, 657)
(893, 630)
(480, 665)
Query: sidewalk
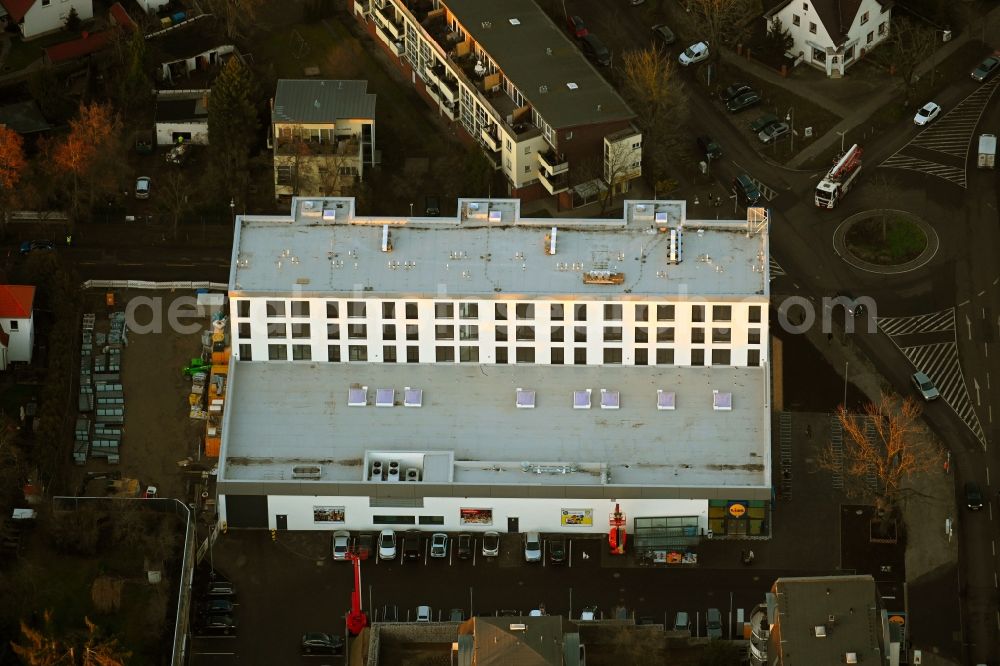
(842, 95)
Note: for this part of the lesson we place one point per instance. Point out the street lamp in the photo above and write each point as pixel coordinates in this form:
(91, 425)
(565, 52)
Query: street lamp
(411, 209)
(841, 140)
(790, 118)
(232, 209)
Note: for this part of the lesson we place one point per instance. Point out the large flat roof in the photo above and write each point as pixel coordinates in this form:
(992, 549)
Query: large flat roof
(488, 250)
(280, 415)
(538, 56)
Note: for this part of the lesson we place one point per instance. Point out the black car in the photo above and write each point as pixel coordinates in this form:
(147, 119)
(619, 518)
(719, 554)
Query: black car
(732, 91)
(973, 496)
(745, 190)
(709, 148)
(319, 643)
(411, 545)
(464, 548)
(664, 34)
(557, 551)
(33, 245)
(742, 101)
(216, 624)
(432, 207)
(986, 69)
(762, 122)
(217, 606)
(596, 50)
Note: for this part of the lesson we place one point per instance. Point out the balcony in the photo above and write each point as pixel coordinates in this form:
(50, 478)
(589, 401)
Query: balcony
(449, 88)
(448, 110)
(346, 146)
(490, 139)
(388, 16)
(554, 184)
(553, 164)
(434, 94)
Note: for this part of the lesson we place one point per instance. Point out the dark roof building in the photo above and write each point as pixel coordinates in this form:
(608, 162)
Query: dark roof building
(504, 641)
(309, 101)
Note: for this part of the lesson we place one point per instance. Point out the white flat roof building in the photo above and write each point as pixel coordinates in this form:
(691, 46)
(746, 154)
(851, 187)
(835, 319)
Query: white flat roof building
(435, 371)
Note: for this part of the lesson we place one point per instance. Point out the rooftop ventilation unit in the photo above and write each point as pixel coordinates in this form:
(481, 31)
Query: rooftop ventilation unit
(851, 658)
(515, 21)
(550, 242)
(386, 240)
(357, 396)
(518, 627)
(665, 400)
(722, 402)
(377, 471)
(393, 475)
(413, 397)
(661, 217)
(610, 399)
(571, 85)
(525, 399)
(674, 253)
(329, 214)
(496, 216)
(581, 399)
(385, 397)
(412, 474)
(820, 631)
(307, 472)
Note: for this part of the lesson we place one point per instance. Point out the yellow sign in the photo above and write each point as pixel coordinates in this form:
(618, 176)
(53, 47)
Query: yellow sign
(736, 510)
(575, 517)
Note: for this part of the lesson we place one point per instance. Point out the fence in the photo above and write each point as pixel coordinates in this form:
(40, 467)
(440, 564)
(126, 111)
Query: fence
(147, 284)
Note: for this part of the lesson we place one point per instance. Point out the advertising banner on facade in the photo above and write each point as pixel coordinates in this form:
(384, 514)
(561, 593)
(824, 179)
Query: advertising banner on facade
(475, 516)
(578, 517)
(328, 514)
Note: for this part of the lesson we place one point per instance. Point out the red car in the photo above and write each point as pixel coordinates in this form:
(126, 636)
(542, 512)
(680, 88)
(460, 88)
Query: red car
(576, 26)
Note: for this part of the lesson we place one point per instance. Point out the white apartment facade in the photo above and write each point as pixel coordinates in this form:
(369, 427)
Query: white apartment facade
(35, 18)
(522, 376)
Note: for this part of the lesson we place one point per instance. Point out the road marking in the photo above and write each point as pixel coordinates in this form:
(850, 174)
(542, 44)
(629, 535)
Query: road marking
(979, 294)
(775, 269)
(963, 303)
(925, 323)
(968, 325)
(993, 544)
(975, 383)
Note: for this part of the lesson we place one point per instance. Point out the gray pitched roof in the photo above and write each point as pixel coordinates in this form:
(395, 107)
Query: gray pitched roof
(321, 101)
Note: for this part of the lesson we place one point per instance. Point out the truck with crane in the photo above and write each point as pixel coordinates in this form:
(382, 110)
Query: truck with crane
(837, 182)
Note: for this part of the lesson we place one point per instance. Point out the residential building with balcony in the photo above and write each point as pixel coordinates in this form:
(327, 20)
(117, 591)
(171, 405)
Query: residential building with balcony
(824, 620)
(516, 85)
(492, 371)
(322, 135)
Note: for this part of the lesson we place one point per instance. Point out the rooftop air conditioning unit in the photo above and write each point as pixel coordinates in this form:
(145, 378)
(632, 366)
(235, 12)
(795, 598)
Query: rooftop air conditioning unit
(393, 474)
(307, 472)
(412, 474)
(377, 470)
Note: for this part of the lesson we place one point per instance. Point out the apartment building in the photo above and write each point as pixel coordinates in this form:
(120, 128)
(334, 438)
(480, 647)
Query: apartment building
(322, 135)
(515, 84)
(490, 371)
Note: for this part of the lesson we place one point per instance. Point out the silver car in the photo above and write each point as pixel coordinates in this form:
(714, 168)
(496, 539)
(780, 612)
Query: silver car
(341, 544)
(142, 186)
(439, 545)
(773, 132)
(925, 386)
(387, 545)
(532, 547)
(491, 544)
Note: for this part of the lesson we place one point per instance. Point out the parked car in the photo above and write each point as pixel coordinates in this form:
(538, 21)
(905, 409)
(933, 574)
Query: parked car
(178, 154)
(709, 147)
(732, 91)
(423, 613)
(986, 69)
(663, 33)
(743, 101)
(576, 26)
(439, 545)
(387, 545)
(595, 49)
(220, 588)
(682, 622)
(532, 547)
(762, 122)
(432, 206)
(341, 544)
(973, 496)
(745, 190)
(926, 387)
(217, 624)
(464, 548)
(364, 545)
(40, 245)
(319, 643)
(411, 545)
(589, 614)
(713, 623)
(773, 132)
(456, 615)
(491, 544)
(694, 53)
(557, 551)
(217, 607)
(142, 186)
(927, 113)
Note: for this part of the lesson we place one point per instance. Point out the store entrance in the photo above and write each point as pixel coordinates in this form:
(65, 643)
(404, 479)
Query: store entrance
(512, 525)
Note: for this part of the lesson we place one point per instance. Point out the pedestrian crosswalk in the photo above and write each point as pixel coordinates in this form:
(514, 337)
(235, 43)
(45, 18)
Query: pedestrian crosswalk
(925, 323)
(837, 450)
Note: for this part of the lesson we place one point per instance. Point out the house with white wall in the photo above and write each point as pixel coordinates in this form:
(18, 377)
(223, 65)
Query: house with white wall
(190, 47)
(832, 35)
(39, 17)
(182, 117)
(17, 324)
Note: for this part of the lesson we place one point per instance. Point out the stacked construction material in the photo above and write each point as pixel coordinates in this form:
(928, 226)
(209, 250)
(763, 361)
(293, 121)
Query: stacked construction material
(101, 390)
(81, 440)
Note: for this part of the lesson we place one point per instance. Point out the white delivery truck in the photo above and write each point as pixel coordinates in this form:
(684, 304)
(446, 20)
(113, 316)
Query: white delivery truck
(987, 151)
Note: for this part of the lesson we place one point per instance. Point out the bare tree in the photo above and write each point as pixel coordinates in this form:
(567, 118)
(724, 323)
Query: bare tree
(620, 166)
(724, 22)
(173, 198)
(42, 648)
(909, 45)
(882, 444)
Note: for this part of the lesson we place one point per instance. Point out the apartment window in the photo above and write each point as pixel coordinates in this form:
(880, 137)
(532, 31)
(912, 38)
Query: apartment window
(501, 334)
(502, 355)
(642, 357)
(882, 28)
(333, 353)
(284, 172)
(300, 308)
(612, 333)
(557, 356)
(698, 335)
(412, 332)
(697, 313)
(333, 331)
(500, 311)
(445, 354)
(579, 334)
(642, 313)
(723, 335)
(242, 308)
(411, 310)
(509, 145)
(524, 311)
(864, 18)
(642, 334)
(664, 333)
(277, 352)
(580, 356)
(468, 354)
(394, 520)
(275, 308)
(569, 136)
(300, 331)
(720, 357)
(525, 355)
(664, 313)
(355, 309)
(870, 38)
(332, 310)
(388, 331)
(357, 353)
(245, 353)
(753, 316)
(805, 6)
(812, 28)
(357, 331)
(664, 357)
(444, 310)
(468, 332)
(636, 145)
(612, 312)
(301, 353)
(276, 331)
(413, 354)
(580, 312)
(444, 332)
(795, 19)
(388, 311)
(698, 357)
(722, 313)
(753, 357)
(242, 330)
(557, 312)
(753, 336)
(527, 150)
(527, 168)
(613, 356)
(389, 354)
(468, 310)
(557, 334)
